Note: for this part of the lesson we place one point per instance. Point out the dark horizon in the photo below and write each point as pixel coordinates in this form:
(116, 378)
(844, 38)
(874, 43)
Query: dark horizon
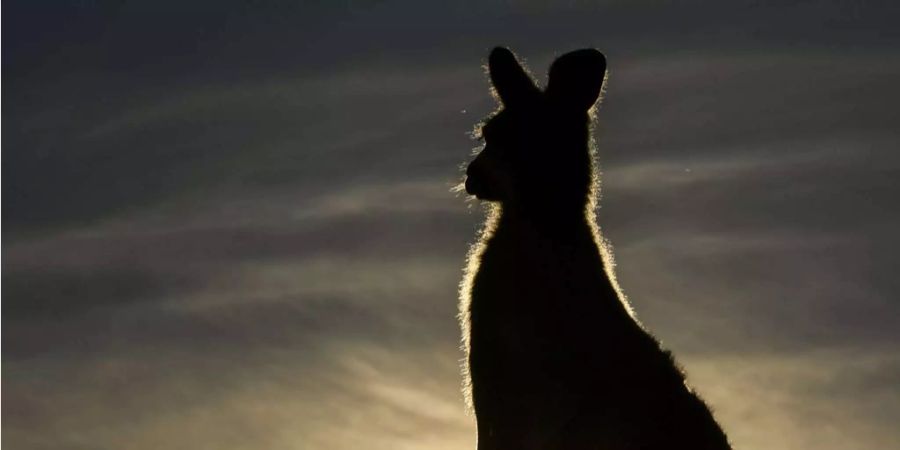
(231, 226)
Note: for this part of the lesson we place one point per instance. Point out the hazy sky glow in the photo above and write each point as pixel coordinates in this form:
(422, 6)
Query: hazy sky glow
(231, 227)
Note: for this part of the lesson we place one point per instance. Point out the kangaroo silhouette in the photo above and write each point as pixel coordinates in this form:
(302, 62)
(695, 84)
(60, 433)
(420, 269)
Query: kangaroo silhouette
(556, 359)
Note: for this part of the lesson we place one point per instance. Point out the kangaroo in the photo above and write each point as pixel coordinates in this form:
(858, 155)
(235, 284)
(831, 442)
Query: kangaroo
(555, 357)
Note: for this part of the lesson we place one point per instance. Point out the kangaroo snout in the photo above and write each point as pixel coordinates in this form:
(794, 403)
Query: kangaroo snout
(483, 179)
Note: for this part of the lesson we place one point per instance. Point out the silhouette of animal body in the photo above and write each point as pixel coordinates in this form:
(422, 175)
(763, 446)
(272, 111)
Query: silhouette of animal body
(555, 358)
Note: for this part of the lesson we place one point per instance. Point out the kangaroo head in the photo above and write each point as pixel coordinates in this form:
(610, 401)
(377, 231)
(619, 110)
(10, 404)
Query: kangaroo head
(535, 150)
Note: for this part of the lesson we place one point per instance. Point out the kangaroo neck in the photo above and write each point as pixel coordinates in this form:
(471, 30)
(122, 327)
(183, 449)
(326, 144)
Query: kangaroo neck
(559, 226)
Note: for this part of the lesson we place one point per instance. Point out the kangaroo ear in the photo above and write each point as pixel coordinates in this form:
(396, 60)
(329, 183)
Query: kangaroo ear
(511, 82)
(576, 79)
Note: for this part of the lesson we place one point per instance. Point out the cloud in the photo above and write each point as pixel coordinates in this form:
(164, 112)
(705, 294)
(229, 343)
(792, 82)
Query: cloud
(48, 293)
(825, 399)
(208, 141)
(371, 343)
(680, 105)
(382, 397)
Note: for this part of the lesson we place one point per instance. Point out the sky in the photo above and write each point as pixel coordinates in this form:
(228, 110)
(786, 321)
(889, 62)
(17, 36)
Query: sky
(229, 224)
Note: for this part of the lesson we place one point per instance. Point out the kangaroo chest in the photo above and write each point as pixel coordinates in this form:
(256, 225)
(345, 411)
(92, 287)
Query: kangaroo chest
(529, 288)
